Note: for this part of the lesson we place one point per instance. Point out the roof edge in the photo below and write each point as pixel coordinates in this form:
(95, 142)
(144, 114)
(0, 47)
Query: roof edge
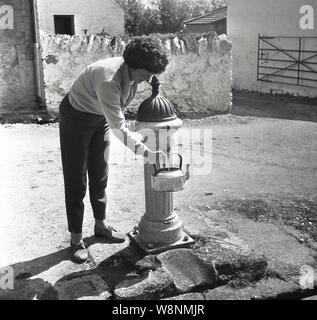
(205, 15)
(117, 4)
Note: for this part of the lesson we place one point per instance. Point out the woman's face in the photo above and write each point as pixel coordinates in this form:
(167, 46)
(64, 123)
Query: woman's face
(141, 75)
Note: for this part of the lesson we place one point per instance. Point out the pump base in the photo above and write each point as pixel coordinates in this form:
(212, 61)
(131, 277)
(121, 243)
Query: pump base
(154, 248)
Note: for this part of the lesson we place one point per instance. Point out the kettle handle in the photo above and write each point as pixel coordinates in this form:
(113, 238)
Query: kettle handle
(181, 159)
(169, 154)
(156, 167)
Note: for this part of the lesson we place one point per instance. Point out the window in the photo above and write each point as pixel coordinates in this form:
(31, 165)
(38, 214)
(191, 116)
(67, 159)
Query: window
(64, 25)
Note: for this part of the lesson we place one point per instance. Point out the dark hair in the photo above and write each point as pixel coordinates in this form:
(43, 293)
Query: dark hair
(145, 53)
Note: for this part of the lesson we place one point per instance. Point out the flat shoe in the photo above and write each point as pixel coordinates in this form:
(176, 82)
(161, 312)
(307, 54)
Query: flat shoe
(111, 234)
(79, 252)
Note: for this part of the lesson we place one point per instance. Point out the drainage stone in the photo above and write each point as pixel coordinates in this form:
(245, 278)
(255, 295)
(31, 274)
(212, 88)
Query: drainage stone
(85, 288)
(152, 285)
(187, 270)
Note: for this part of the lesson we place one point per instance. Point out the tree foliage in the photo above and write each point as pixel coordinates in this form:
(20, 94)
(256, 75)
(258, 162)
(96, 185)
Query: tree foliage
(163, 16)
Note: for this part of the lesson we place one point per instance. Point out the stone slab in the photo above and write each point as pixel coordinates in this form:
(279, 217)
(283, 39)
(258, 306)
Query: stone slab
(84, 288)
(311, 298)
(266, 289)
(152, 285)
(36, 289)
(187, 270)
(230, 263)
(211, 265)
(148, 263)
(189, 296)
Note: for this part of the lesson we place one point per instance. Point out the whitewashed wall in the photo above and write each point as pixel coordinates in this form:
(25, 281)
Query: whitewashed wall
(198, 78)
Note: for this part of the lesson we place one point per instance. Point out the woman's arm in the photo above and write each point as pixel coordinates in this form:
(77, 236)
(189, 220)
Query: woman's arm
(108, 94)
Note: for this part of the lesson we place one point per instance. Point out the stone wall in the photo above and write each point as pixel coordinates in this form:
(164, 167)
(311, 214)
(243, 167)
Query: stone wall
(198, 78)
(17, 85)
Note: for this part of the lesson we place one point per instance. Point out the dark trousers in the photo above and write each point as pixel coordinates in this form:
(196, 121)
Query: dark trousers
(84, 150)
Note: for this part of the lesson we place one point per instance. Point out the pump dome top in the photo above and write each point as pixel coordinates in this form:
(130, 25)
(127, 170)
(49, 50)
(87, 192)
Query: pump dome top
(156, 108)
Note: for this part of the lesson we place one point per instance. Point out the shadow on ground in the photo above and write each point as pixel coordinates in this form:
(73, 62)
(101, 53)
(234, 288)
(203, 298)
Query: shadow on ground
(274, 106)
(27, 286)
(115, 268)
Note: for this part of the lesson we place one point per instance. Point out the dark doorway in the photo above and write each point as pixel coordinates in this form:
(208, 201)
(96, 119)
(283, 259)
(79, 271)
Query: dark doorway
(64, 25)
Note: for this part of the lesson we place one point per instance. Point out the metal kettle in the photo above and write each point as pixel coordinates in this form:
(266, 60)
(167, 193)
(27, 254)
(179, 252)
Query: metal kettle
(170, 179)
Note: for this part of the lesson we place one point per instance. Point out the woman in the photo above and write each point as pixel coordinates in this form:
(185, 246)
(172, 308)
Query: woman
(94, 104)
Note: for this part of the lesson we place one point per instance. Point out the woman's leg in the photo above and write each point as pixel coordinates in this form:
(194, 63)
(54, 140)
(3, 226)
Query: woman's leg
(98, 170)
(75, 136)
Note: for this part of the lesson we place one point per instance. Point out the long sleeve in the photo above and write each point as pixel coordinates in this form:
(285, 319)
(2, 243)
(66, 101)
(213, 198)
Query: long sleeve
(108, 94)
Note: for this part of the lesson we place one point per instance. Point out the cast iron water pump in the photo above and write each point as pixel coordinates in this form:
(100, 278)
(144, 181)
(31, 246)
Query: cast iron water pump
(160, 228)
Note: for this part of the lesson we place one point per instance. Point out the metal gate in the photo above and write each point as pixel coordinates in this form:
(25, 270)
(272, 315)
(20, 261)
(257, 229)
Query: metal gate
(288, 60)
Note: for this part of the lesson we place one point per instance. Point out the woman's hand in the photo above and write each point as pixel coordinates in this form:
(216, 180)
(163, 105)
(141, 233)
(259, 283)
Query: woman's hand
(152, 156)
(160, 153)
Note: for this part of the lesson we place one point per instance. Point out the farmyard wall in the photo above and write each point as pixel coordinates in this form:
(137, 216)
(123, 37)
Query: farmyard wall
(198, 78)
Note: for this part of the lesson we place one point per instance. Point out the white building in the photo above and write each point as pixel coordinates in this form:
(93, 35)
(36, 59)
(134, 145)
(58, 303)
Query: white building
(80, 17)
(264, 58)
